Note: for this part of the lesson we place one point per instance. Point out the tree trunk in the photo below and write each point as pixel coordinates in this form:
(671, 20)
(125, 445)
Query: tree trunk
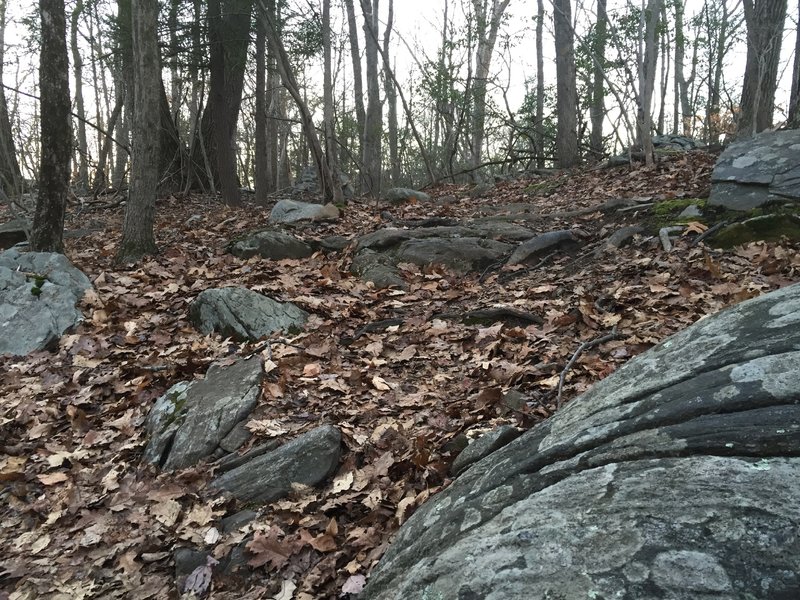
(273, 101)
(290, 82)
(765, 20)
(539, 132)
(647, 78)
(598, 110)
(262, 151)
(355, 55)
(488, 24)
(137, 231)
(566, 88)
(335, 191)
(793, 120)
(56, 135)
(10, 178)
(391, 101)
(373, 124)
(680, 106)
(82, 181)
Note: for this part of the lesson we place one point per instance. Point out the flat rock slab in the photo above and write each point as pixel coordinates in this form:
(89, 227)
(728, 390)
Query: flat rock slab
(14, 232)
(754, 171)
(31, 320)
(274, 245)
(202, 419)
(400, 195)
(535, 247)
(292, 211)
(677, 477)
(308, 460)
(242, 314)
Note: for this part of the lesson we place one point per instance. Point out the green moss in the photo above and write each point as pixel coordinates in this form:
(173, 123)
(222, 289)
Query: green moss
(768, 228)
(544, 188)
(36, 291)
(676, 206)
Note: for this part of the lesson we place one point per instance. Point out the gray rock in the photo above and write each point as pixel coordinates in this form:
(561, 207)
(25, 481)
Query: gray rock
(680, 143)
(377, 268)
(242, 314)
(308, 182)
(292, 211)
(690, 212)
(483, 447)
(541, 244)
(677, 477)
(307, 460)
(274, 245)
(481, 190)
(400, 195)
(754, 171)
(459, 254)
(14, 232)
(193, 421)
(32, 317)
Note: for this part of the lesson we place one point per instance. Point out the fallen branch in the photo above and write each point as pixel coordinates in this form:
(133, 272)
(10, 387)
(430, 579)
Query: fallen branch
(708, 232)
(581, 349)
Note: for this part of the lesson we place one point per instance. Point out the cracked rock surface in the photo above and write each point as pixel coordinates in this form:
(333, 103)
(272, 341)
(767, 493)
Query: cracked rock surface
(677, 477)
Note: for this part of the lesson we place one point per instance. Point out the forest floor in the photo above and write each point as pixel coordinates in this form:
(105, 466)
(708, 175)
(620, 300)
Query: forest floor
(82, 517)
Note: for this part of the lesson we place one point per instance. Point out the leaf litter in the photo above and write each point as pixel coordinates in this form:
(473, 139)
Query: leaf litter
(396, 371)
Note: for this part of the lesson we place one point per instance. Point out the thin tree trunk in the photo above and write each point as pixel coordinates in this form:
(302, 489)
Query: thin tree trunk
(355, 55)
(10, 178)
(765, 20)
(137, 230)
(598, 111)
(566, 87)
(56, 134)
(82, 181)
(391, 101)
(290, 82)
(335, 191)
(793, 120)
(273, 102)
(538, 134)
(262, 151)
(647, 77)
(373, 125)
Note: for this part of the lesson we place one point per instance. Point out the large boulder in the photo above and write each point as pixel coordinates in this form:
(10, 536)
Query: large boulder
(754, 171)
(243, 314)
(270, 244)
(39, 292)
(677, 477)
(292, 211)
(14, 232)
(400, 195)
(203, 418)
(307, 460)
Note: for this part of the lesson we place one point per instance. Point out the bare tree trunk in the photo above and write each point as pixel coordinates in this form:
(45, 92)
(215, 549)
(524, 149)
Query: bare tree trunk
(273, 103)
(290, 82)
(82, 181)
(566, 87)
(335, 191)
(679, 106)
(765, 20)
(539, 132)
(137, 230)
(647, 77)
(373, 124)
(598, 111)
(391, 101)
(9, 166)
(355, 55)
(56, 135)
(262, 151)
(793, 120)
(488, 24)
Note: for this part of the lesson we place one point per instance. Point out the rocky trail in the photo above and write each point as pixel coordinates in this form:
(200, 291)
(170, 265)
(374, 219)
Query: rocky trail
(407, 361)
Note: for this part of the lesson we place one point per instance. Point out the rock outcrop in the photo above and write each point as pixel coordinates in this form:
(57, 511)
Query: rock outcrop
(292, 211)
(243, 314)
(676, 477)
(39, 292)
(755, 171)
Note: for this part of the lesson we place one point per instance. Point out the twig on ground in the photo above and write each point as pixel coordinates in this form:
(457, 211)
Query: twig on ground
(581, 349)
(708, 232)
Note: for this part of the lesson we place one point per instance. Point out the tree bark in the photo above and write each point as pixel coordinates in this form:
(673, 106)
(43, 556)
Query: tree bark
(355, 55)
(765, 20)
(488, 24)
(137, 231)
(56, 133)
(538, 134)
(290, 82)
(335, 191)
(373, 124)
(566, 87)
(647, 77)
(10, 177)
(793, 120)
(82, 181)
(598, 111)
(391, 101)
(262, 151)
